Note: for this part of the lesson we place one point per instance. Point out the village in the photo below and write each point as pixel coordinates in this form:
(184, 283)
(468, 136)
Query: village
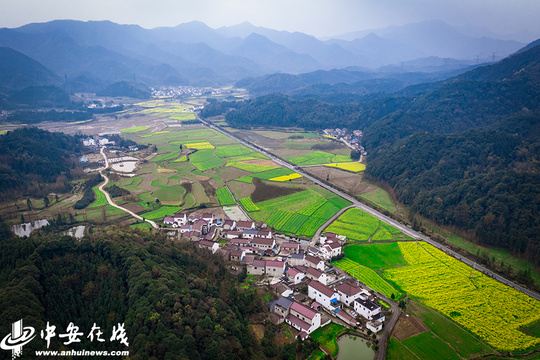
(310, 292)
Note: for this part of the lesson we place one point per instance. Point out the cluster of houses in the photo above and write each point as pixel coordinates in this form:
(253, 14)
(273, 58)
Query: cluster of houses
(307, 319)
(258, 251)
(353, 138)
(101, 141)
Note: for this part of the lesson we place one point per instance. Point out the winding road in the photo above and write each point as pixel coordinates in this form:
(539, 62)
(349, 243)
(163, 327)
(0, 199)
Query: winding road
(102, 186)
(406, 230)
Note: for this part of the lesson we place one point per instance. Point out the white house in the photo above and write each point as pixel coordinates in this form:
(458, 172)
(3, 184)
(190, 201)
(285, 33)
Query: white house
(233, 234)
(209, 218)
(303, 318)
(295, 275)
(168, 220)
(249, 233)
(180, 218)
(89, 142)
(244, 225)
(317, 275)
(330, 250)
(267, 234)
(324, 295)
(291, 247)
(366, 308)
(210, 245)
(348, 292)
(312, 261)
(374, 326)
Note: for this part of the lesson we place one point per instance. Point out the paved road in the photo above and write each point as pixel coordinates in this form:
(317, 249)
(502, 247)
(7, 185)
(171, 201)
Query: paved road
(109, 197)
(384, 335)
(375, 213)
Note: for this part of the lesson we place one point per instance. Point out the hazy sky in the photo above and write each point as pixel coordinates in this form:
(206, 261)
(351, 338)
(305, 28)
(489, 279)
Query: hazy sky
(315, 17)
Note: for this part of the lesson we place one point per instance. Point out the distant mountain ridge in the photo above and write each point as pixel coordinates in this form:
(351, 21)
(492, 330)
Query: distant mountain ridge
(96, 54)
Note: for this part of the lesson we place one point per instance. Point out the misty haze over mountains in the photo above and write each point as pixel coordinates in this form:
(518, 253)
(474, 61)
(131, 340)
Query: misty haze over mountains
(90, 55)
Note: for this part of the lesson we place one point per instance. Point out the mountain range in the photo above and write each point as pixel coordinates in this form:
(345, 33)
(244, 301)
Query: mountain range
(88, 56)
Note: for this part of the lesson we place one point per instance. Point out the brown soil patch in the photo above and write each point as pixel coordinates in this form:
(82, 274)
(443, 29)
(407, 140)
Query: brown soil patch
(408, 326)
(241, 190)
(282, 338)
(202, 177)
(262, 162)
(260, 140)
(230, 173)
(137, 209)
(166, 170)
(147, 182)
(350, 182)
(208, 188)
(264, 191)
(257, 330)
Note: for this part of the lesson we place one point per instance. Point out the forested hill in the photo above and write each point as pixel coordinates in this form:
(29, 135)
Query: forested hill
(464, 152)
(176, 301)
(30, 157)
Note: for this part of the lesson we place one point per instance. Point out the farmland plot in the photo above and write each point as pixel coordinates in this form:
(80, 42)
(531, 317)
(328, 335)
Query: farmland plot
(484, 306)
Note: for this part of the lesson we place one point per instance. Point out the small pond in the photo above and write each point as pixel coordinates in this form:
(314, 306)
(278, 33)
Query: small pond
(354, 348)
(26, 228)
(77, 232)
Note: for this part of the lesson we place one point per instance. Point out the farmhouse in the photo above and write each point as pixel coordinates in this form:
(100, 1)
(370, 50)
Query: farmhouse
(180, 218)
(275, 268)
(330, 250)
(315, 274)
(312, 261)
(366, 308)
(281, 306)
(257, 267)
(295, 275)
(233, 234)
(168, 220)
(296, 259)
(291, 247)
(374, 326)
(303, 318)
(267, 234)
(240, 242)
(210, 245)
(348, 292)
(324, 295)
(249, 233)
(229, 225)
(209, 218)
(263, 244)
(347, 318)
(244, 225)
(237, 255)
(200, 226)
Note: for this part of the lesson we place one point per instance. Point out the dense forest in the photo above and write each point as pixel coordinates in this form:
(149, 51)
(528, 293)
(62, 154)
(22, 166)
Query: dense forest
(31, 158)
(463, 152)
(177, 301)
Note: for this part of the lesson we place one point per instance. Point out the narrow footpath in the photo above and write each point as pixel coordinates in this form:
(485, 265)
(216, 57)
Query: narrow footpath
(102, 186)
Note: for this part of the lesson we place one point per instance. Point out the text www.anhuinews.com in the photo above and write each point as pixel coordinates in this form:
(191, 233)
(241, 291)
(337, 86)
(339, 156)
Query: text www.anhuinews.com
(81, 353)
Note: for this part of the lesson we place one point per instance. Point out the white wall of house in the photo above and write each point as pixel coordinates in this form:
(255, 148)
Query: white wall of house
(321, 298)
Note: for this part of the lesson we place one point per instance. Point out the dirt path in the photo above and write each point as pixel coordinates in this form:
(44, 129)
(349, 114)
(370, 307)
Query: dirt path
(102, 186)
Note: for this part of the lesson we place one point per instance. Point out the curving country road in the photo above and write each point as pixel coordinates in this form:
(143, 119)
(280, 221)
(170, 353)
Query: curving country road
(101, 188)
(374, 212)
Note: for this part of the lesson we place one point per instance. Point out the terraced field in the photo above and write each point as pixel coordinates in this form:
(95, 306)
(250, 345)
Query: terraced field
(224, 197)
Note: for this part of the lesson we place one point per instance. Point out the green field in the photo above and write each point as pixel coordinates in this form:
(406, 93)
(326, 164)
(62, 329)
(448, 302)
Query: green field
(248, 205)
(314, 158)
(232, 150)
(368, 277)
(397, 351)
(355, 224)
(465, 344)
(170, 193)
(301, 213)
(327, 336)
(101, 200)
(134, 129)
(205, 160)
(161, 212)
(376, 256)
(427, 346)
(224, 197)
(381, 198)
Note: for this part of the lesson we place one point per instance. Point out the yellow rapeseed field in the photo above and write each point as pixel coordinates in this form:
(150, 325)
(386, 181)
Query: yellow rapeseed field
(486, 307)
(287, 177)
